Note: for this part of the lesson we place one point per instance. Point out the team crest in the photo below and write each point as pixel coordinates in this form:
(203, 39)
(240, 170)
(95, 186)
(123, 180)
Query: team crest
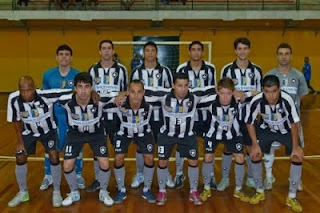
(204, 76)
(293, 81)
(158, 75)
(150, 147)
(24, 114)
(97, 80)
(193, 153)
(251, 75)
(189, 104)
(114, 74)
(70, 83)
(93, 109)
(103, 150)
(280, 110)
(238, 146)
(144, 114)
(234, 111)
(75, 116)
(50, 143)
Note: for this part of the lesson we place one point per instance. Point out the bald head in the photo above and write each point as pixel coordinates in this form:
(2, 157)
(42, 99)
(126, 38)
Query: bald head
(27, 88)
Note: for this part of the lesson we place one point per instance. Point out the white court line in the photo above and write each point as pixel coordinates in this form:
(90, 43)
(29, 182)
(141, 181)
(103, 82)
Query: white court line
(10, 158)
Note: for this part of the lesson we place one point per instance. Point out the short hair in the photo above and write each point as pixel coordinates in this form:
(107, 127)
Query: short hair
(226, 83)
(284, 45)
(270, 81)
(64, 47)
(25, 78)
(105, 41)
(194, 43)
(180, 75)
(83, 77)
(241, 40)
(150, 43)
(136, 81)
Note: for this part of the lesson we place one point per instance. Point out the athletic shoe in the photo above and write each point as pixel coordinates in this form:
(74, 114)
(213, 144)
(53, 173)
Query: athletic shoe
(120, 197)
(205, 194)
(195, 198)
(137, 180)
(46, 182)
(170, 184)
(250, 182)
(72, 197)
(19, 198)
(95, 185)
(56, 199)
(161, 198)
(223, 184)
(81, 182)
(105, 198)
(241, 195)
(149, 196)
(257, 197)
(268, 182)
(178, 181)
(213, 184)
(294, 204)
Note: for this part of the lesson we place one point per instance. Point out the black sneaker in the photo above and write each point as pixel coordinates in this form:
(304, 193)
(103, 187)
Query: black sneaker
(178, 181)
(213, 184)
(94, 186)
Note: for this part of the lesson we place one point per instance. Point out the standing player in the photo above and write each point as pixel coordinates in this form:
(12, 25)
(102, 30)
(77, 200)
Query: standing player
(293, 82)
(108, 76)
(62, 77)
(279, 123)
(201, 74)
(84, 120)
(152, 74)
(225, 127)
(32, 115)
(247, 77)
(178, 106)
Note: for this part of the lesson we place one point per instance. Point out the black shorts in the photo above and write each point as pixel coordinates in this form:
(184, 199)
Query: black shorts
(75, 141)
(145, 144)
(155, 127)
(111, 126)
(234, 146)
(266, 138)
(49, 141)
(188, 146)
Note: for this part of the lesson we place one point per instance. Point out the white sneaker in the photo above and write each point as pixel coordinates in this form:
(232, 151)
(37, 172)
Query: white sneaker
(268, 182)
(137, 180)
(105, 198)
(170, 184)
(250, 182)
(72, 197)
(19, 198)
(56, 199)
(223, 184)
(46, 182)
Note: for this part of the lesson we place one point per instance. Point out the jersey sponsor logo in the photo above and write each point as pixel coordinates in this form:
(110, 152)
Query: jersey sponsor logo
(24, 114)
(150, 147)
(35, 119)
(193, 153)
(103, 150)
(50, 143)
(85, 116)
(97, 80)
(158, 75)
(239, 146)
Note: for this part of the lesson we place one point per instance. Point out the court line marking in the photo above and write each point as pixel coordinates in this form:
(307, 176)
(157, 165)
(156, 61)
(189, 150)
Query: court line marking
(11, 158)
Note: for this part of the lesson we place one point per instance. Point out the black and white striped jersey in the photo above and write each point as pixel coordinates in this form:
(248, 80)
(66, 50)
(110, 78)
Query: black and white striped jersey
(178, 115)
(88, 119)
(133, 122)
(160, 76)
(113, 79)
(278, 118)
(244, 79)
(37, 116)
(225, 123)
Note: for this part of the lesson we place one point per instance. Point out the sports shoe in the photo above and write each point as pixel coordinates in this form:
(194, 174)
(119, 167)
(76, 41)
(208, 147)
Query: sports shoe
(81, 182)
(205, 194)
(95, 185)
(161, 198)
(73, 196)
(19, 198)
(250, 182)
(300, 186)
(46, 182)
(105, 198)
(137, 180)
(257, 197)
(56, 199)
(149, 196)
(195, 198)
(170, 184)
(178, 181)
(275, 145)
(268, 182)
(120, 197)
(213, 184)
(294, 204)
(223, 184)
(241, 195)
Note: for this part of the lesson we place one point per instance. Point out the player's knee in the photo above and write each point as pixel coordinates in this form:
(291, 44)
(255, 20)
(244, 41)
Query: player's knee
(208, 158)
(68, 165)
(148, 159)
(21, 159)
(163, 163)
(239, 158)
(118, 160)
(54, 157)
(296, 159)
(104, 163)
(193, 162)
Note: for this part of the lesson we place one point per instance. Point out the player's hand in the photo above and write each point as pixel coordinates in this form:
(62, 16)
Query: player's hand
(95, 97)
(20, 148)
(255, 152)
(297, 154)
(120, 99)
(239, 96)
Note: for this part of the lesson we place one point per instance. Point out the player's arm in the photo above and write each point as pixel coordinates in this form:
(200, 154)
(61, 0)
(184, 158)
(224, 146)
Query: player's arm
(54, 94)
(203, 92)
(206, 103)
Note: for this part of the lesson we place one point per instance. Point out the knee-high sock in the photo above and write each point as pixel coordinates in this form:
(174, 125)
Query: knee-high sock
(47, 170)
(103, 178)
(21, 176)
(295, 177)
(257, 174)
(139, 162)
(96, 168)
(193, 173)
(56, 176)
(249, 164)
(120, 174)
(239, 175)
(79, 163)
(268, 163)
(162, 173)
(71, 178)
(179, 163)
(148, 176)
(207, 169)
(226, 164)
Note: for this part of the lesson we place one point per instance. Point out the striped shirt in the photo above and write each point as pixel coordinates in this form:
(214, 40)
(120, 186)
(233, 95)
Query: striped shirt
(178, 115)
(277, 118)
(37, 116)
(160, 76)
(206, 76)
(133, 123)
(244, 79)
(88, 119)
